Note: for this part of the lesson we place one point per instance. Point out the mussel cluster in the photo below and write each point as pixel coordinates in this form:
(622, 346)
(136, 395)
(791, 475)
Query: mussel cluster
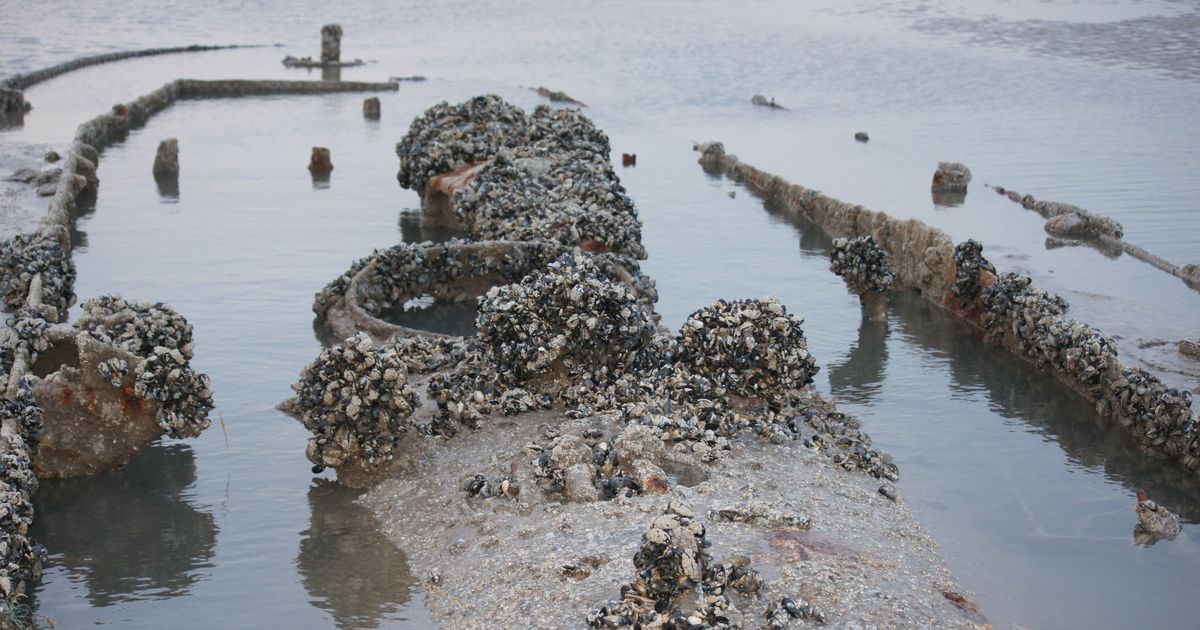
(25, 256)
(138, 327)
(781, 614)
(571, 317)
(840, 437)
(1161, 416)
(25, 331)
(162, 340)
(356, 401)
(862, 264)
(969, 263)
(20, 557)
(448, 137)
(1033, 321)
(451, 271)
(751, 348)
(547, 194)
(589, 466)
(548, 176)
(678, 585)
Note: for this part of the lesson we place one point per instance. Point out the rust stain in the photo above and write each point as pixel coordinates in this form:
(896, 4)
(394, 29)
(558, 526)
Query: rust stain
(89, 399)
(130, 401)
(65, 395)
(797, 545)
(965, 606)
(448, 183)
(595, 247)
(656, 485)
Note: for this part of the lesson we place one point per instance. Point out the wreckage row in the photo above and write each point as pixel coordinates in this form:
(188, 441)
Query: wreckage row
(83, 398)
(876, 248)
(565, 325)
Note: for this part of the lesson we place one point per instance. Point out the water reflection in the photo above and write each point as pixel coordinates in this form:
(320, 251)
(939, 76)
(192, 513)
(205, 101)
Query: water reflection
(1014, 389)
(333, 73)
(949, 199)
(447, 318)
(12, 119)
(130, 534)
(320, 181)
(1022, 392)
(1106, 249)
(168, 187)
(858, 378)
(85, 206)
(348, 568)
(323, 333)
(411, 230)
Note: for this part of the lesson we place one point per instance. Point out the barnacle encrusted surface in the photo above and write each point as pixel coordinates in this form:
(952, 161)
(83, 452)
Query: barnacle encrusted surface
(969, 263)
(447, 137)
(356, 401)
(862, 263)
(162, 339)
(748, 347)
(572, 315)
(27, 255)
(678, 584)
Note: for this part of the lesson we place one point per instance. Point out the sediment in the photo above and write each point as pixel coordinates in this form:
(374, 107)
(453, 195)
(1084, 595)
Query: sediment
(1027, 321)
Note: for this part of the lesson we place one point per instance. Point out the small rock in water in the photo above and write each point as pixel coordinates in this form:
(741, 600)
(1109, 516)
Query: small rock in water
(628, 159)
(371, 108)
(861, 136)
(888, 490)
(52, 156)
(1190, 348)
(25, 176)
(1155, 522)
(558, 96)
(320, 163)
(166, 159)
(759, 99)
(951, 177)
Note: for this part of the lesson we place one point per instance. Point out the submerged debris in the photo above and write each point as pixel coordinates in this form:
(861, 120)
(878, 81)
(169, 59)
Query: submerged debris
(557, 96)
(1033, 323)
(760, 100)
(455, 271)
(166, 158)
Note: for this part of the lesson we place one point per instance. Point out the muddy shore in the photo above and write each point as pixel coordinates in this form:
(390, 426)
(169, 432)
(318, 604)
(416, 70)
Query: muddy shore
(538, 562)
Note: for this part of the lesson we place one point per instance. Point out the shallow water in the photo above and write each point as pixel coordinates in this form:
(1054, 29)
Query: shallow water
(1028, 492)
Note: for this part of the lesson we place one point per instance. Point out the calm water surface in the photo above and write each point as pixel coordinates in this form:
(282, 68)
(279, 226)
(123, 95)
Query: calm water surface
(1029, 493)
